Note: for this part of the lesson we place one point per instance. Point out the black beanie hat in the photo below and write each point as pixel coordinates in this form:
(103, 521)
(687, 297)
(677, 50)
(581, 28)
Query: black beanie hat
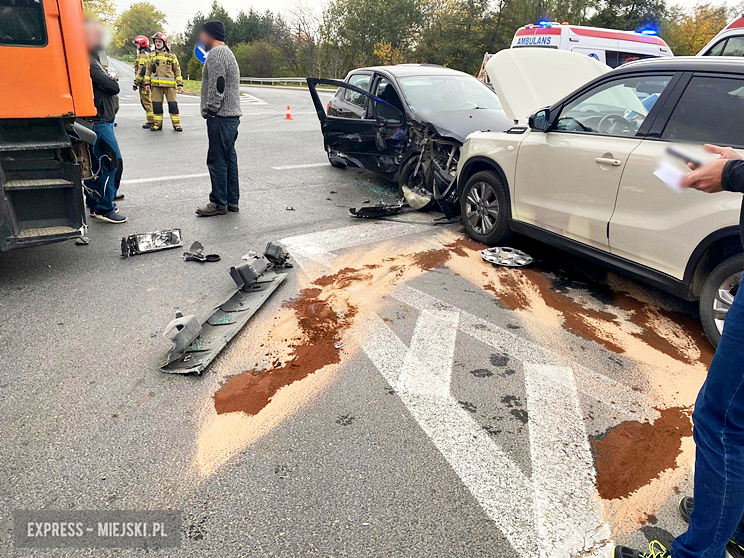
(214, 29)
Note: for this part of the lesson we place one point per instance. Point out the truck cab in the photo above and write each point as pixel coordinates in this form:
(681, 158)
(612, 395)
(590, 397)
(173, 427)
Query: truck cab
(43, 160)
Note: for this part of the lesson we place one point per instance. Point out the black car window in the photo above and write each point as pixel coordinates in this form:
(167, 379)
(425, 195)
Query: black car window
(716, 49)
(362, 81)
(709, 111)
(387, 93)
(734, 46)
(614, 108)
(22, 23)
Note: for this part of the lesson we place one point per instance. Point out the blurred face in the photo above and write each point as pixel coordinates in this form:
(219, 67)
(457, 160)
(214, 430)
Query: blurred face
(93, 36)
(158, 43)
(206, 40)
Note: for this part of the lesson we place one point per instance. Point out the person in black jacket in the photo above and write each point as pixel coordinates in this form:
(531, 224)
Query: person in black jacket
(716, 513)
(101, 191)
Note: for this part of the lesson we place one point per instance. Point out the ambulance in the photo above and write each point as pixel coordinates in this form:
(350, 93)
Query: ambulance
(729, 42)
(609, 46)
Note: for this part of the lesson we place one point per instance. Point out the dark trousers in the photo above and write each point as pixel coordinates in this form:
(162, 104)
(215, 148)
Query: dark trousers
(100, 196)
(222, 160)
(719, 437)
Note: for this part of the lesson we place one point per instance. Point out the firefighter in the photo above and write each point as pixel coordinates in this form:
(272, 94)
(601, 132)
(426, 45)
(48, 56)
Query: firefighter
(140, 69)
(162, 76)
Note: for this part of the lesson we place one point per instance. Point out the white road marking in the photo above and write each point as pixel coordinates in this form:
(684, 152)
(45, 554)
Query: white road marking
(305, 166)
(496, 482)
(164, 178)
(567, 506)
(555, 514)
(249, 99)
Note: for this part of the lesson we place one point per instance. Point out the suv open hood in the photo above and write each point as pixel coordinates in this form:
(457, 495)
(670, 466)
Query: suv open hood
(528, 79)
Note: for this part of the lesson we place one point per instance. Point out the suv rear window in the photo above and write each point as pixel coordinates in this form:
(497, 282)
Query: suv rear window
(22, 23)
(709, 111)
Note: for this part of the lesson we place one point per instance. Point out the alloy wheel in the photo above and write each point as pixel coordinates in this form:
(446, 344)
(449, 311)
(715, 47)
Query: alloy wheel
(724, 298)
(482, 208)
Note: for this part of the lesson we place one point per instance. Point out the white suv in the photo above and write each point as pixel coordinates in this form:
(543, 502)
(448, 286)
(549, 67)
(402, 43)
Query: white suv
(579, 175)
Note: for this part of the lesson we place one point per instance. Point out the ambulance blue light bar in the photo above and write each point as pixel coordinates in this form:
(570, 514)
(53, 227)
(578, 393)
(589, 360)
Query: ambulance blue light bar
(649, 32)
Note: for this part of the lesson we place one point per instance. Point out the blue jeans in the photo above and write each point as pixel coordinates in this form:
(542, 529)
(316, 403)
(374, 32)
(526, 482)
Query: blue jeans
(222, 160)
(106, 153)
(719, 437)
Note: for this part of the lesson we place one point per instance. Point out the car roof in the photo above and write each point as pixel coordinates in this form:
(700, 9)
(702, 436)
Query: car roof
(403, 70)
(726, 64)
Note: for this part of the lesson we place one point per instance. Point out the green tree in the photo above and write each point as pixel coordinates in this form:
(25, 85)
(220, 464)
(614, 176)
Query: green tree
(194, 69)
(102, 10)
(259, 59)
(689, 31)
(141, 18)
(629, 15)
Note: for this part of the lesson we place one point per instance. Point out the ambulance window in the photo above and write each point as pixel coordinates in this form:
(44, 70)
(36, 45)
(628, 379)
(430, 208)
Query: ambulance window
(709, 112)
(22, 22)
(716, 49)
(734, 47)
(617, 58)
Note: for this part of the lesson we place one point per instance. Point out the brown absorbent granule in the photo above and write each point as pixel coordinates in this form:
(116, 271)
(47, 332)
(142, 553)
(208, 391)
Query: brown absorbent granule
(431, 259)
(252, 390)
(633, 453)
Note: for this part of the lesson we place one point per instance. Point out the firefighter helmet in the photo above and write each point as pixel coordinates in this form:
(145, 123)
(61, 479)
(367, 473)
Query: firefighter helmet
(160, 36)
(141, 41)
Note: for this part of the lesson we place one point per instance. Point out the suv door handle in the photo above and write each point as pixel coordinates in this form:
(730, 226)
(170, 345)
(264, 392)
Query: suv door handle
(608, 161)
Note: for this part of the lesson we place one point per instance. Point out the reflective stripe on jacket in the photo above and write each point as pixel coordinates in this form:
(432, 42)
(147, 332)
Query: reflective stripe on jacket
(140, 65)
(163, 70)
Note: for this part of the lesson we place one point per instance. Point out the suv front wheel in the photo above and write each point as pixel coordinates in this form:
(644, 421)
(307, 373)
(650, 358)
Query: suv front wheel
(718, 294)
(485, 208)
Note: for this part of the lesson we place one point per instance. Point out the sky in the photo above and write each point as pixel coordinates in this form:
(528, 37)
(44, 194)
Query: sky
(180, 11)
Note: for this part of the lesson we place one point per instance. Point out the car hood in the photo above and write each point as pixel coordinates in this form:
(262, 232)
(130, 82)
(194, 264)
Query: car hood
(459, 124)
(528, 79)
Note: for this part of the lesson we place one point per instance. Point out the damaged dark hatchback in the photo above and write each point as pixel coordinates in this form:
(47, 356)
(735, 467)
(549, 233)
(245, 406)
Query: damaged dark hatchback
(407, 122)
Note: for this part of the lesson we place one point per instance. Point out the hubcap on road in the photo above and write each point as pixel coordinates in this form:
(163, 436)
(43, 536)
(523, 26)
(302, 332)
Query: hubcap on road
(724, 299)
(482, 208)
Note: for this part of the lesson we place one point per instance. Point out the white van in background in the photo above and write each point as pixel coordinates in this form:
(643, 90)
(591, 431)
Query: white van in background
(729, 42)
(609, 46)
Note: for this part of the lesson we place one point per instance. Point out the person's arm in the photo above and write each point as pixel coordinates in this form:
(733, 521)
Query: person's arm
(148, 73)
(733, 176)
(177, 71)
(216, 86)
(102, 80)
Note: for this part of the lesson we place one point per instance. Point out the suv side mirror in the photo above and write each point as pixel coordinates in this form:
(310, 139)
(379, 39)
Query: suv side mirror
(540, 120)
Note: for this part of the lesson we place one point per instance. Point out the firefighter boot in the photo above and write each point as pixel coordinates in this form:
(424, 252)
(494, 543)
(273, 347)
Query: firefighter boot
(157, 117)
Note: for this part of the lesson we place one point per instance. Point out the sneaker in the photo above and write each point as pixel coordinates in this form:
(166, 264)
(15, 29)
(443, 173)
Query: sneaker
(655, 550)
(734, 548)
(111, 217)
(118, 197)
(233, 207)
(211, 209)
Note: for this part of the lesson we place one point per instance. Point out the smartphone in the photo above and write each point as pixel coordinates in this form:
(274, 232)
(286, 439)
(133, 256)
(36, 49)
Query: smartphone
(684, 156)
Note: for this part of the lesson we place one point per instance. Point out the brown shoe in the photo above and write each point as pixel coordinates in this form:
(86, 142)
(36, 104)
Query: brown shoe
(233, 207)
(211, 209)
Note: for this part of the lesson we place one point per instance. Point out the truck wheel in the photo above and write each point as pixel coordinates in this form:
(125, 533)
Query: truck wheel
(485, 208)
(718, 293)
(413, 187)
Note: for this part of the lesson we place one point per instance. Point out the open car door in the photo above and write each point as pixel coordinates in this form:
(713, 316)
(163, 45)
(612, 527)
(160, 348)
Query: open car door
(373, 141)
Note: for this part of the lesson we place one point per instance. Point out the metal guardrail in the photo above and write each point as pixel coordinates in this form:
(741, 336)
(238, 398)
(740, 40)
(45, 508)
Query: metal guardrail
(274, 81)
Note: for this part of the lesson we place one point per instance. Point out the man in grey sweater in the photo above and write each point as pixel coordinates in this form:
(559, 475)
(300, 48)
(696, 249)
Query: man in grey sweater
(220, 105)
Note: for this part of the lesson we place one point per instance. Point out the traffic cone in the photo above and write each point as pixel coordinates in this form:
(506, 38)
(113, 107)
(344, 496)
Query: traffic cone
(289, 114)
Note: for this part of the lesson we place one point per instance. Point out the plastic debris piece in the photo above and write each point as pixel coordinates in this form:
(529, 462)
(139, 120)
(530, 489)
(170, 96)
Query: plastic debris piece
(379, 210)
(290, 208)
(505, 256)
(333, 192)
(196, 254)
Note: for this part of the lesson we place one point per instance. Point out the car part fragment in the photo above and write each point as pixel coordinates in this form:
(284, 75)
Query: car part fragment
(196, 345)
(196, 254)
(379, 210)
(142, 243)
(505, 256)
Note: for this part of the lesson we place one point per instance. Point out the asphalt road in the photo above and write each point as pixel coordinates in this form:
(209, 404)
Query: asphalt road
(469, 413)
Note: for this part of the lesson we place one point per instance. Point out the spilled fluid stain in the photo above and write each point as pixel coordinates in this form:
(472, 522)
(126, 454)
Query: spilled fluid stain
(632, 454)
(252, 390)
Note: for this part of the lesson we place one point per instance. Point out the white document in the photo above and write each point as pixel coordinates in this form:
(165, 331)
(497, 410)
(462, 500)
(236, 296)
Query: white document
(671, 175)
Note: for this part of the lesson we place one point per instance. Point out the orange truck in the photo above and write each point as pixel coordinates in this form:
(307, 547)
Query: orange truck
(44, 155)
